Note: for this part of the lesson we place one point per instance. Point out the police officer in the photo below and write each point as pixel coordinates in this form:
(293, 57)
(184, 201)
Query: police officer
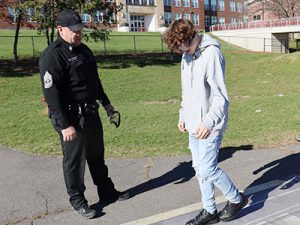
(71, 87)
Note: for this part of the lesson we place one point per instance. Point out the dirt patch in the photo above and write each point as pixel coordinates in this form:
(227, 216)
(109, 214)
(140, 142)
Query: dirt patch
(170, 101)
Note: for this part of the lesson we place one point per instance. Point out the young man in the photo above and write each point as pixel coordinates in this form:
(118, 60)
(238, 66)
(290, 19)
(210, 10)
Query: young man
(204, 115)
(71, 87)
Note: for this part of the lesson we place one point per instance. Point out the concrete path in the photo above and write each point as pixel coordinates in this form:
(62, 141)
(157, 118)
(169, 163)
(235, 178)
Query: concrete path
(165, 190)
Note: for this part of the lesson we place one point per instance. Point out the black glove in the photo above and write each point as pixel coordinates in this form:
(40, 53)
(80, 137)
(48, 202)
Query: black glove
(115, 118)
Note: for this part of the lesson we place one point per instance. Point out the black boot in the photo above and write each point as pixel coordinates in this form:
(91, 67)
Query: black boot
(114, 196)
(204, 217)
(231, 210)
(108, 194)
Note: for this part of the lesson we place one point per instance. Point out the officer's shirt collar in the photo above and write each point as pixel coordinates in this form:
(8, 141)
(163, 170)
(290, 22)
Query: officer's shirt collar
(70, 47)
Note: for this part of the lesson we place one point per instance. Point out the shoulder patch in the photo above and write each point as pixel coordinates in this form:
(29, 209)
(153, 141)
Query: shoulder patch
(48, 82)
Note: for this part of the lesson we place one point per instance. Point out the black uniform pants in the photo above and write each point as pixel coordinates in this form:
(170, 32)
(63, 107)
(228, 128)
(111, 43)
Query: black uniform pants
(88, 146)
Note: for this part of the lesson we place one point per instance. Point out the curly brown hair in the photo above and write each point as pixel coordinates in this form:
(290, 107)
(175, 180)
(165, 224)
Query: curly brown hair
(180, 31)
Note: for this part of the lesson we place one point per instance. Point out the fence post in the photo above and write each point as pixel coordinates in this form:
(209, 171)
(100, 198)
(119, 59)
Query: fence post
(264, 44)
(134, 45)
(228, 44)
(32, 43)
(162, 45)
(104, 45)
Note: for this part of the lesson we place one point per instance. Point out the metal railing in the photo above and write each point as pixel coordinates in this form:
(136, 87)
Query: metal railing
(295, 21)
(252, 44)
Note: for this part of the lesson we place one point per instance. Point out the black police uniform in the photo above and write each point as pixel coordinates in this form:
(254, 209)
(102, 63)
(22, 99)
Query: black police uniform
(71, 87)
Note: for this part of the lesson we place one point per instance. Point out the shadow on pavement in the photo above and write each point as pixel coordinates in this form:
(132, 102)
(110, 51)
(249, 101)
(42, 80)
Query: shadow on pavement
(227, 152)
(282, 170)
(181, 173)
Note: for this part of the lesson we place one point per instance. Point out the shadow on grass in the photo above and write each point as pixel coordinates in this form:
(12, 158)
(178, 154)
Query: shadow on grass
(25, 68)
(139, 60)
(29, 67)
(182, 173)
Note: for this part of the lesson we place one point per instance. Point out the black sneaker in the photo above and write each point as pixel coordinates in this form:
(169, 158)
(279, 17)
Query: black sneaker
(231, 210)
(86, 212)
(204, 217)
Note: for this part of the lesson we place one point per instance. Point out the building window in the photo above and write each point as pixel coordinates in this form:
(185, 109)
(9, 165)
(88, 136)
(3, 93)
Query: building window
(222, 20)
(232, 20)
(167, 2)
(245, 7)
(221, 5)
(186, 16)
(86, 18)
(206, 4)
(232, 6)
(132, 2)
(177, 3)
(168, 16)
(195, 4)
(256, 17)
(12, 14)
(239, 7)
(177, 16)
(214, 5)
(137, 23)
(214, 20)
(240, 20)
(139, 2)
(98, 17)
(195, 19)
(186, 3)
(207, 21)
(29, 13)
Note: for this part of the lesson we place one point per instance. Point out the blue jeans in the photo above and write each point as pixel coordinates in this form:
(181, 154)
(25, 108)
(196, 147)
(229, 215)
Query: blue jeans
(205, 163)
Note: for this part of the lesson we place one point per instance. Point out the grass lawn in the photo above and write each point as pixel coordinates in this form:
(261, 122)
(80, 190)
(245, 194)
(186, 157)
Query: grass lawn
(264, 91)
(31, 44)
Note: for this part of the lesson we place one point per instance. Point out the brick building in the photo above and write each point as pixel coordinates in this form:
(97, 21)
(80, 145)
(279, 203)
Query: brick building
(152, 15)
(204, 13)
(8, 15)
(186, 9)
(263, 10)
(258, 12)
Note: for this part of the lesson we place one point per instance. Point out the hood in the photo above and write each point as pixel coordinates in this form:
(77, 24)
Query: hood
(205, 42)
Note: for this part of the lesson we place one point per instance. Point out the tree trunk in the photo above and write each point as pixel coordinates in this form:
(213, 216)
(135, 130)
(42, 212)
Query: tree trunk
(47, 36)
(52, 34)
(15, 50)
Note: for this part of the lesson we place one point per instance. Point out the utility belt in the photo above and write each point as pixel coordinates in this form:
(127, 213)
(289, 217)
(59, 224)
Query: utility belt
(84, 108)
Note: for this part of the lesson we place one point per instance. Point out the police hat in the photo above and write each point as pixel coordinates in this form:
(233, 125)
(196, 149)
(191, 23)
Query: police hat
(69, 18)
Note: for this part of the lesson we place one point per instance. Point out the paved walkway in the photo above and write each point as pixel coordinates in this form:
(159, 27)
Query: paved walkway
(165, 190)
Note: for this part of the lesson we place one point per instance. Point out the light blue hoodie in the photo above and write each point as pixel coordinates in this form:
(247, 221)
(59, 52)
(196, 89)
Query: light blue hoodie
(204, 95)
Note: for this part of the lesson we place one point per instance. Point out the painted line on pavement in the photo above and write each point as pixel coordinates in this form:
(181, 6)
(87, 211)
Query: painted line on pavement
(273, 214)
(194, 207)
